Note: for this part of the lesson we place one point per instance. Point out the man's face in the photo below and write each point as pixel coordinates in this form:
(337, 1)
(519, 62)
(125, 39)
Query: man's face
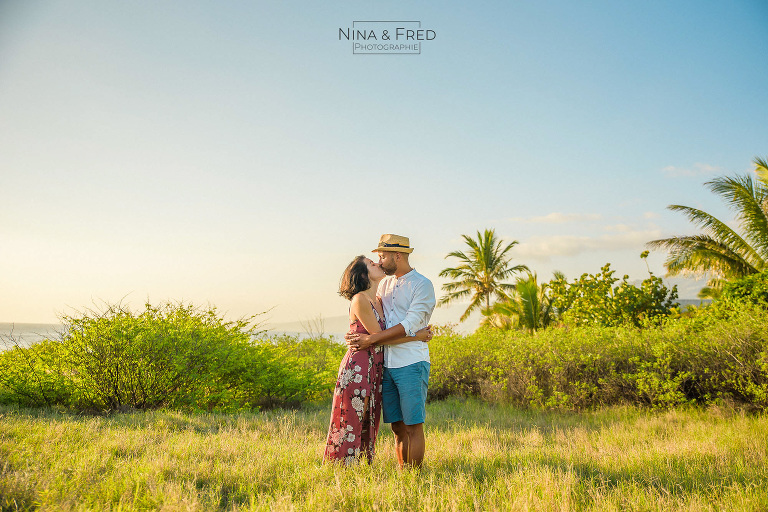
(388, 262)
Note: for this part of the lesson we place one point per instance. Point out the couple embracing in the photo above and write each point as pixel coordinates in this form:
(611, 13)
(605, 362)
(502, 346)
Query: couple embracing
(386, 368)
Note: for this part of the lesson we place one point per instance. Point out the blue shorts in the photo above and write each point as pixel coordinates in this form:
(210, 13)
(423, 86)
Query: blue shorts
(404, 393)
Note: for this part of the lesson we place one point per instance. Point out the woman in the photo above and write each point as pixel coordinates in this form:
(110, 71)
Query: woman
(357, 398)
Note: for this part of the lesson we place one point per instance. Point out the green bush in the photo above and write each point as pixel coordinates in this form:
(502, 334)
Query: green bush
(592, 299)
(752, 289)
(173, 355)
(33, 376)
(287, 371)
(178, 356)
(703, 359)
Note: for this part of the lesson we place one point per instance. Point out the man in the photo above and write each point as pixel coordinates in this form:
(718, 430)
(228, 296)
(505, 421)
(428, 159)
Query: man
(408, 299)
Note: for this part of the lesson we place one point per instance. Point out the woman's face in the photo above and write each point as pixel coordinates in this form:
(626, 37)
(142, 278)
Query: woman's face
(375, 273)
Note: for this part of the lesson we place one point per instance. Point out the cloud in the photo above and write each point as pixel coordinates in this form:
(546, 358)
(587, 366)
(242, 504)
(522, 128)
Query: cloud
(543, 248)
(651, 215)
(698, 169)
(558, 218)
(619, 228)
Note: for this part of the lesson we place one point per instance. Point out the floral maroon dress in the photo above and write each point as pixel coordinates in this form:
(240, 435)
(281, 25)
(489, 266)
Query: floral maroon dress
(356, 406)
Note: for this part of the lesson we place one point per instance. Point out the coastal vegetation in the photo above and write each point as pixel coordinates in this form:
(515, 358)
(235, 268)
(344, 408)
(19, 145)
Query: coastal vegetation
(173, 355)
(605, 300)
(714, 356)
(179, 357)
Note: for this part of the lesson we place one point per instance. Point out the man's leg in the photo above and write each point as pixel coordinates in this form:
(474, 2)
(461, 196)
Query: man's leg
(392, 413)
(409, 443)
(401, 442)
(411, 382)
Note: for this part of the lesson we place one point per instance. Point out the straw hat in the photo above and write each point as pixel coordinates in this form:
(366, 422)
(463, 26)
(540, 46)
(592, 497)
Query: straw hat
(393, 243)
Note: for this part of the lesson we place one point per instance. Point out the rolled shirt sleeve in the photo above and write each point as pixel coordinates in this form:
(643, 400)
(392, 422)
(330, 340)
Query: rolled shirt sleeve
(408, 300)
(421, 308)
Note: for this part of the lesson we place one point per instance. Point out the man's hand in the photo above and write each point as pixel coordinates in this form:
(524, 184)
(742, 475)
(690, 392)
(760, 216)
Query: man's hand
(357, 341)
(425, 334)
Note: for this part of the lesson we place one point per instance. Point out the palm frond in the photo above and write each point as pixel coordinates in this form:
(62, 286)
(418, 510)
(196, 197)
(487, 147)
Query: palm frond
(748, 200)
(761, 169)
(702, 255)
(721, 232)
(720, 252)
(453, 296)
(528, 292)
(482, 270)
(476, 302)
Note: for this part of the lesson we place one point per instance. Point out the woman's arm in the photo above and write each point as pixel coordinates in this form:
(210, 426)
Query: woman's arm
(361, 310)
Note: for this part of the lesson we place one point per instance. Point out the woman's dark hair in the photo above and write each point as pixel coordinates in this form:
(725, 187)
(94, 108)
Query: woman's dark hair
(355, 278)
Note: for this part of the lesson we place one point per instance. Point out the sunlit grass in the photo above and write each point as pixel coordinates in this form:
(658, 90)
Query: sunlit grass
(479, 457)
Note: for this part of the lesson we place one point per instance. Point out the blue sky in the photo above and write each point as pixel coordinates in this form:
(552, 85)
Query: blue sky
(239, 154)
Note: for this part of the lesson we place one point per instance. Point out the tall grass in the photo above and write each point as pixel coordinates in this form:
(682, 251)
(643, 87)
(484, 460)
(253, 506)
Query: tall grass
(479, 457)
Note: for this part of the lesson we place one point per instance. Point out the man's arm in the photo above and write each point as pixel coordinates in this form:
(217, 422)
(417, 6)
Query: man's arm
(381, 337)
(360, 341)
(417, 317)
(421, 308)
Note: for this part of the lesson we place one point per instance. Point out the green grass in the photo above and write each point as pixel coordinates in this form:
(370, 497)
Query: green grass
(479, 457)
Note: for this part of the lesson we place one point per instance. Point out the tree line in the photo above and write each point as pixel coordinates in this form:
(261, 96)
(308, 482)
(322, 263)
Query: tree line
(719, 253)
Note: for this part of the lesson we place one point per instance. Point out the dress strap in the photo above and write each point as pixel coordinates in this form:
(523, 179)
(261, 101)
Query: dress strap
(375, 312)
(373, 307)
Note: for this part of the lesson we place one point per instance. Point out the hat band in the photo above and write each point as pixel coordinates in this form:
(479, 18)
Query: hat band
(382, 244)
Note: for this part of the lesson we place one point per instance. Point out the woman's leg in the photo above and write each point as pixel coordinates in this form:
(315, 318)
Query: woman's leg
(365, 433)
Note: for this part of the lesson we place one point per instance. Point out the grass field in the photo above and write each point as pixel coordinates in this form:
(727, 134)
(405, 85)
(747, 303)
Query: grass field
(479, 457)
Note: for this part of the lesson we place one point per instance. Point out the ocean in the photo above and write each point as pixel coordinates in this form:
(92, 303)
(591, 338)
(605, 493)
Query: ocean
(22, 334)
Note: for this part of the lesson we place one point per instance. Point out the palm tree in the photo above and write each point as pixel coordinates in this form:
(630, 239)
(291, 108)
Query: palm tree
(528, 308)
(720, 252)
(481, 272)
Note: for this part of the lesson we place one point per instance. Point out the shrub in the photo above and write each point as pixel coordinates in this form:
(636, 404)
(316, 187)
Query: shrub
(287, 371)
(32, 377)
(703, 359)
(752, 289)
(172, 355)
(594, 300)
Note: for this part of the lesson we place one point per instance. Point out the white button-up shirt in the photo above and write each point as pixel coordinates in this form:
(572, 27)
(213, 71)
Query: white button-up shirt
(407, 300)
